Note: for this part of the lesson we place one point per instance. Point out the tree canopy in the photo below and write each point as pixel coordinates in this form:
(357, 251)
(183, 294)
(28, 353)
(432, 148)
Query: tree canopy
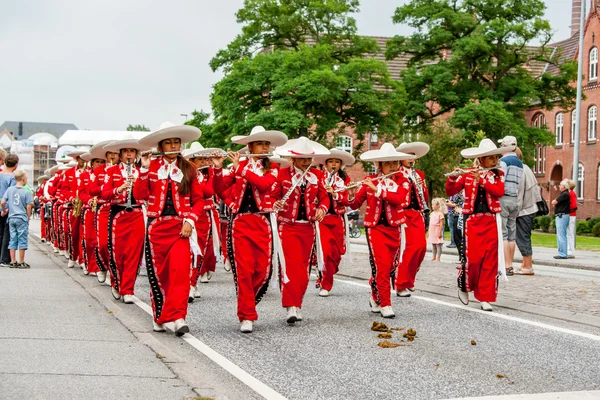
(142, 128)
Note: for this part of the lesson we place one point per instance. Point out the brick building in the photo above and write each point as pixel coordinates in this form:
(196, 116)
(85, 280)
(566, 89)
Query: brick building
(554, 163)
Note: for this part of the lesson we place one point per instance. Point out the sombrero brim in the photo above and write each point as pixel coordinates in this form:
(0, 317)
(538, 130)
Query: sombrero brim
(290, 149)
(75, 154)
(276, 138)
(419, 149)
(476, 152)
(283, 163)
(346, 158)
(186, 133)
(43, 178)
(64, 160)
(98, 154)
(64, 167)
(376, 157)
(116, 146)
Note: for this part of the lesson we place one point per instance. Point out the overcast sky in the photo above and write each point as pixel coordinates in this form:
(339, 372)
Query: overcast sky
(105, 64)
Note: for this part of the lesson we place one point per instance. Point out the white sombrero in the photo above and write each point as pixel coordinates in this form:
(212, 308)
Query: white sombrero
(43, 178)
(51, 171)
(117, 145)
(64, 159)
(97, 151)
(64, 167)
(387, 152)
(197, 149)
(486, 148)
(169, 130)
(419, 149)
(258, 134)
(346, 158)
(76, 153)
(302, 147)
(283, 162)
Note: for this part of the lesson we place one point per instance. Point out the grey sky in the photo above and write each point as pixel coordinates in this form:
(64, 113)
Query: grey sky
(104, 65)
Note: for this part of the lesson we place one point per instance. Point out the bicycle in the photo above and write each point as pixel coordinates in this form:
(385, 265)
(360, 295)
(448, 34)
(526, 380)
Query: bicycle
(353, 227)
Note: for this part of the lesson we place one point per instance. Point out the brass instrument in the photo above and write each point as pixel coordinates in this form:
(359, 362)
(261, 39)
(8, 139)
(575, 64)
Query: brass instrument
(94, 204)
(129, 205)
(77, 204)
(359, 183)
(462, 171)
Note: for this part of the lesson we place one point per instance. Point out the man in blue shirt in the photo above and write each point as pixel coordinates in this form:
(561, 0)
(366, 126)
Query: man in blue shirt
(17, 202)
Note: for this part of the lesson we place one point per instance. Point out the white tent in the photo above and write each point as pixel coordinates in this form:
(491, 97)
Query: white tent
(90, 138)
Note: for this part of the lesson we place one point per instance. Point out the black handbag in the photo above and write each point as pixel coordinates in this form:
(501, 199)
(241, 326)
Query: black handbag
(542, 208)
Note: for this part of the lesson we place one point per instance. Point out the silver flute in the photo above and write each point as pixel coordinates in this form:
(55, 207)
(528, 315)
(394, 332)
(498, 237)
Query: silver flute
(461, 171)
(129, 205)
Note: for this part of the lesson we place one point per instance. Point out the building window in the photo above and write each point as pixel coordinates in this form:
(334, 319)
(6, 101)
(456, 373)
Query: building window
(580, 179)
(344, 143)
(559, 128)
(539, 166)
(593, 64)
(539, 121)
(592, 122)
(573, 125)
(598, 182)
(373, 136)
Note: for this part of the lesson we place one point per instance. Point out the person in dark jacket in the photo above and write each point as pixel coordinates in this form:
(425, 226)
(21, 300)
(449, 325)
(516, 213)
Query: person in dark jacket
(561, 213)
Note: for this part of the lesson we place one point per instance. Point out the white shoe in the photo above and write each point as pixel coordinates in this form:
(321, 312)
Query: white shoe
(191, 295)
(115, 293)
(158, 327)
(485, 306)
(85, 270)
(412, 289)
(387, 312)
(403, 293)
(463, 297)
(92, 273)
(71, 264)
(107, 281)
(204, 278)
(247, 326)
(324, 293)
(292, 315)
(55, 249)
(374, 306)
(181, 328)
(43, 240)
(227, 266)
(61, 253)
(197, 292)
(67, 255)
(209, 275)
(127, 299)
(298, 314)
(101, 276)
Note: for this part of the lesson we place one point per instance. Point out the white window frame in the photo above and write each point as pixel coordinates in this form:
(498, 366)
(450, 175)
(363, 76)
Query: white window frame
(559, 128)
(592, 122)
(598, 182)
(573, 125)
(539, 121)
(344, 143)
(593, 73)
(580, 181)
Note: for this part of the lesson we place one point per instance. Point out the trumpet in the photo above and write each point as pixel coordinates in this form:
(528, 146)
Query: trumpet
(462, 171)
(356, 184)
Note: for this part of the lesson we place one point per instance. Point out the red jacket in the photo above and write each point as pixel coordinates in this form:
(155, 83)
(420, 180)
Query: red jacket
(149, 187)
(340, 199)
(572, 203)
(208, 191)
(315, 194)
(405, 177)
(115, 177)
(96, 180)
(52, 187)
(492, 184)
(231, 187)
(389, 196)
(70, 186)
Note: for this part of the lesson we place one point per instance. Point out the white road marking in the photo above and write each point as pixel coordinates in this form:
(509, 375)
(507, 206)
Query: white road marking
(250, 381)
(492, 314)
(590, 395)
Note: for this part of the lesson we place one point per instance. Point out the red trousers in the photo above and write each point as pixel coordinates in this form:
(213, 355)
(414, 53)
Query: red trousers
(384, 251)
(333, 233)
(126, 232)
(64, 218)
(250, 254)
(168, 261)
(55, 224)
(102, 254)
(224, 242)
(90, 241)
(481, 247)
(43, 233)
(208, 261)
(414, 251)
(297, 240)
(75, 237)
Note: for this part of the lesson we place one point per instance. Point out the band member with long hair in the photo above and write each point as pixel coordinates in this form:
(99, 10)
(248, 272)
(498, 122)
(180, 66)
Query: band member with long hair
(70, 188)
(126, 219)
(302, 203)
(483, 187)
(384, 194)
(416, 211)
(170, 185)
(246, 191)
(333, 227)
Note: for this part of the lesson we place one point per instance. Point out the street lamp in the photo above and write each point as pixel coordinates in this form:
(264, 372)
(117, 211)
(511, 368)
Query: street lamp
(184, 115)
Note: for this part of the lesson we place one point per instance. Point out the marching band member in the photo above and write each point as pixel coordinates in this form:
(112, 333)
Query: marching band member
(332, 228)
(40, 195)
(126, 219)
(64, 210)
(70, 190)
(483, 227)
(382, 222)
(302, 203)
(246, 191)
(170, 185)
(95, 158)
(415, 207)
(50, 197)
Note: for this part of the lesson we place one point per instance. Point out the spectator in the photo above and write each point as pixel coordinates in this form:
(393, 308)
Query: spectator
(529, 195)
(6, 180)
(2, 158)
(513, 173)
(561, 212)
(436, 227)
(452, 220)
(17, 202)
(572, 220)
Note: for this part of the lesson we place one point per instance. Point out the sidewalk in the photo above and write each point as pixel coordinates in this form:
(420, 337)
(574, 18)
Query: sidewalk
(588, 260)
(58, 342)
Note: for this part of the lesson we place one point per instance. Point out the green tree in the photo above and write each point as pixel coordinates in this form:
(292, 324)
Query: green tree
(142, 128)
(475, 59)
(211, 133)
(299, 66)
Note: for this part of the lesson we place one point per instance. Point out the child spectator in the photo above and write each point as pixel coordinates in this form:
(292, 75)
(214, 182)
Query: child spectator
(436, 227)
(18, 203)
(7, 180)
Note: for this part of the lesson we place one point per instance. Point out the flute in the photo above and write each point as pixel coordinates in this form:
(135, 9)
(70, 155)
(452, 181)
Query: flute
(355, 184)
(461, 171)
(158, 153)
(287, 195)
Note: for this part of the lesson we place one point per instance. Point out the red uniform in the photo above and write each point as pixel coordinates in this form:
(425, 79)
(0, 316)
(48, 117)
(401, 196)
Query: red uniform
(297, 229)
(50, 193)
(125, 230)
(383, 219)
(70, 190)
(90, 241)
(101, 218)
(416, 247)
(247, 193)
(168, 255)
(481, 205)
(40, 195)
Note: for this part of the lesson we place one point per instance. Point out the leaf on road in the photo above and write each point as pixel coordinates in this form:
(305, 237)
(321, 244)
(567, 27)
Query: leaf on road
(386, 335)
(379, 327)
(500, 376)
(410, 334)
(473, 342)
(386, 344)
